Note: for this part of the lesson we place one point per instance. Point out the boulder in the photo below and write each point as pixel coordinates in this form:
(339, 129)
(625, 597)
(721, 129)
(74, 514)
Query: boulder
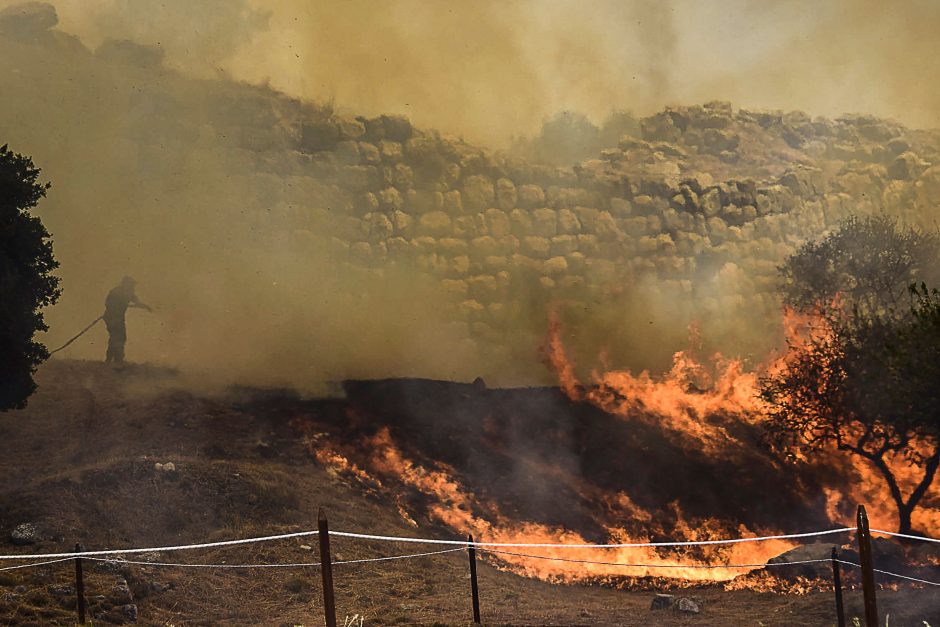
(453, 202)
(452, 246)
(485, 246)
(359, 178)
(906, 166)
(662, 601)
(509, 244)
(587, 243)
(506, 196)
(397, 128)
(477, 193)
(403, 177)
(555, 266)
(568, 222)
(24, 534)
(369, 153)
(350, 129)
(536, 247)
(466, 227)
(379, 225)
(435, 224)
(564, 245)
(391, 151)
(605, 227)
(347, 153)
(390, 199)
(530, 196)
(402, 222)
(497, 222)
(520, 222)
(544, 222)
(620, 207)
(318, 135)
(495, 263)
(398, 247)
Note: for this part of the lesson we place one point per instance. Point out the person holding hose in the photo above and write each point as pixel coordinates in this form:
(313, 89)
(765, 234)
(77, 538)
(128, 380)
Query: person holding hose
(115, 306)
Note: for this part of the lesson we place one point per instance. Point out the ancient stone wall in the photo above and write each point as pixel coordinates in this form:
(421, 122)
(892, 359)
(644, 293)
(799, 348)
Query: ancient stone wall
(700, 212)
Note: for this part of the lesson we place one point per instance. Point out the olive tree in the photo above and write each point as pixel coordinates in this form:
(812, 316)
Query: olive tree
(26, 280)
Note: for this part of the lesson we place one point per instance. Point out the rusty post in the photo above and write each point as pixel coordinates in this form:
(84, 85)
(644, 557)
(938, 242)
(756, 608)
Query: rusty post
(326, 569)
(474, 590)
(867, 563)
(837, 585)
(79, 586)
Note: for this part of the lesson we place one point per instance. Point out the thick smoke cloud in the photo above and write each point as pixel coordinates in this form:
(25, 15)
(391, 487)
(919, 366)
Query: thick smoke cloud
(491, 70)
(200, 36)
(146, 165)
(151, 178)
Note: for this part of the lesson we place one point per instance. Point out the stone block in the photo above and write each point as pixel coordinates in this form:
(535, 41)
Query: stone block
(563, 245)
(537, 247)
(497, 222)
(520, 222)
(568, 222)
(530, 196)
(555, 266)
(506, 196)
(544, 223)
(477, 193)
(435, 224)
(390, 199)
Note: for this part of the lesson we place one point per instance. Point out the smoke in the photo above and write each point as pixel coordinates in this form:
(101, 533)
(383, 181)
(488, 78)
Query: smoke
(199, 36)
(145, 167)
(151, 178)
(492, 70)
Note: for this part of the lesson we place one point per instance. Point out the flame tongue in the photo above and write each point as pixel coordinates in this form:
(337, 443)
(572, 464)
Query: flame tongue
(449, 503)
(705, 411)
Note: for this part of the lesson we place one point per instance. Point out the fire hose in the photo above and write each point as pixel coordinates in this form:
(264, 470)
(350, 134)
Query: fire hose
(81, 333)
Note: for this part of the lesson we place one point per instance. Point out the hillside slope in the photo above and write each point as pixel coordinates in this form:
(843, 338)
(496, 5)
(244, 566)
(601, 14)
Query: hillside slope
(79, 463)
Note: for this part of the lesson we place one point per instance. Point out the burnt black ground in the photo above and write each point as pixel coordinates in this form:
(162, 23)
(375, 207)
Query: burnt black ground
(79, 462)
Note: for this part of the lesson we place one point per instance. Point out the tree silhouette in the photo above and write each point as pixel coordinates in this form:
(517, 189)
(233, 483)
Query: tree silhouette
(866, 380)
(26, 280)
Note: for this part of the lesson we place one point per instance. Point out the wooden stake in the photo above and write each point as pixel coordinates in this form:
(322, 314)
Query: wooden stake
(79, 586)
(867, 563)
(326, 569)
(837, 585)
(474, 590)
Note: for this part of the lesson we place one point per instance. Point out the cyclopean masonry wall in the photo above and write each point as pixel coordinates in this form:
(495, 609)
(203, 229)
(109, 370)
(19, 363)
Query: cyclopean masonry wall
(699, 212)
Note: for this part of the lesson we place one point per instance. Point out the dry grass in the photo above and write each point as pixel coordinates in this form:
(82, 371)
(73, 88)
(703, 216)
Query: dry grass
(79, 462)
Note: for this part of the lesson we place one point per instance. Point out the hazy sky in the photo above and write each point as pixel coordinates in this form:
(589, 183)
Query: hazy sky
(490, 69)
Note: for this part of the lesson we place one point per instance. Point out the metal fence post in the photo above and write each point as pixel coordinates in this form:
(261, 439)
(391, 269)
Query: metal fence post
(837, 585)
(79, 586)
(326, 569)
(867, 563)
(474, 590)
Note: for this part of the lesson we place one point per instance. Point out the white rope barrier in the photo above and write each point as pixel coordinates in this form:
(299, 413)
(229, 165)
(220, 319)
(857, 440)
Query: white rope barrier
(35, 564)
(159, 549)
(628, 545)
(906, 536)
(625, 565)
(885, 572)
(288, 565)
(461, 543)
